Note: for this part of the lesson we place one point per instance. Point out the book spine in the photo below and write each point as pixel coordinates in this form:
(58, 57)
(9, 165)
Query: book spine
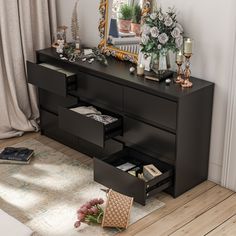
(11, 158)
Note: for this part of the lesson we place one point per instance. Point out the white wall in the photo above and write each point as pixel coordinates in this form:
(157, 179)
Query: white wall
(88, 19)
(210, 23)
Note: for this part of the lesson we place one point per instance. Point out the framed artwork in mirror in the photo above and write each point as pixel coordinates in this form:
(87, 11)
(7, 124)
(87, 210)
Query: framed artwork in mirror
(120, 27)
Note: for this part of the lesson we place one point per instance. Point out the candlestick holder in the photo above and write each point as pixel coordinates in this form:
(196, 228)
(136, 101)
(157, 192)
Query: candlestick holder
(179, 79)
(187, 72)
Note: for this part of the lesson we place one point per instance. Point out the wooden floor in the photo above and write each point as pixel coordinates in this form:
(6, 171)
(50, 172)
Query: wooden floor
(208, 209)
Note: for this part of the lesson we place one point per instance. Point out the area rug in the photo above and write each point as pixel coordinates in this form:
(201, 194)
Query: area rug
(46, 194)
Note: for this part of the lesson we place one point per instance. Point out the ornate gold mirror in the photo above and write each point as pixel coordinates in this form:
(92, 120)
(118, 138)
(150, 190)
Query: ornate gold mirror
(120, 27)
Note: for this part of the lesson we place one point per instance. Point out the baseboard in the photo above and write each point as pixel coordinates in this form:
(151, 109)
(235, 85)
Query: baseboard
(215, 172)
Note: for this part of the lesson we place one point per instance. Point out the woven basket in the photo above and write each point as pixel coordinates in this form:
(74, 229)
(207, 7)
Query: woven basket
(117, 211)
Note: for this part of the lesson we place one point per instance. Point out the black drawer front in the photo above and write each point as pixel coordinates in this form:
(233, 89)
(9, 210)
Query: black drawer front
(50, 80)
(155, 110)
(51, 102)
(89, 129)
(49, 127)
(149, 139)
(99, 91)
(106, 173)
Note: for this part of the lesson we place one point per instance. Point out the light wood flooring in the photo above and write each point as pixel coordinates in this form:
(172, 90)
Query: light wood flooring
(207, 209)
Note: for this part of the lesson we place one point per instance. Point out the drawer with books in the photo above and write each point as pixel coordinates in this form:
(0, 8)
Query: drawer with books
(51, 78)
(50, 128)
(90, 123)
(134, 174)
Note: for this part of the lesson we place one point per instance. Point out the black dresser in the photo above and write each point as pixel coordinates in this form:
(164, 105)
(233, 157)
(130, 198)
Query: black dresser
(156, 124)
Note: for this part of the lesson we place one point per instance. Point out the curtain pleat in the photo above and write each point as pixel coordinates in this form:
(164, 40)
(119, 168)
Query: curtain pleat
(24, 28)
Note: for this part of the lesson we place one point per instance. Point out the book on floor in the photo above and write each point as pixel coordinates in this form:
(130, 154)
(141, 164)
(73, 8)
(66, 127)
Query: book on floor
(12, 155)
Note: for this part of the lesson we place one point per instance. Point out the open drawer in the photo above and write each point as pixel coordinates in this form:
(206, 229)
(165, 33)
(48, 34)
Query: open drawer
(51, 78)
(87, 128)
(107, 173)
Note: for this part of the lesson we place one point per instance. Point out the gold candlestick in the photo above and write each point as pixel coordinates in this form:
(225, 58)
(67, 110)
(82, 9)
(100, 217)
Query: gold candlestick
(179, 79)
(187, 72)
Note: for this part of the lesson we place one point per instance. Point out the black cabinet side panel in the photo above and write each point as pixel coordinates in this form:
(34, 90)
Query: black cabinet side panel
(193, 139)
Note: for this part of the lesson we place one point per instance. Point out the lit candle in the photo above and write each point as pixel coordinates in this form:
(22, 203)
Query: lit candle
(140, 69)
(188, 46)
(179, 57)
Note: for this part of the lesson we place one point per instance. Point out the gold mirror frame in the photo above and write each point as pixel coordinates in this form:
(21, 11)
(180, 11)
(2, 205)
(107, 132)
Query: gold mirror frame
(103, 25)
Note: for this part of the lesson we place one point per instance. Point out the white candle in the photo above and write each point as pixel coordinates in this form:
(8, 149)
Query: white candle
(77, 46)
(188, 46)
(179, 57)
(140, 69)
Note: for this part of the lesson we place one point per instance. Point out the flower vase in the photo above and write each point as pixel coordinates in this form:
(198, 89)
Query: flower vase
(161, 66)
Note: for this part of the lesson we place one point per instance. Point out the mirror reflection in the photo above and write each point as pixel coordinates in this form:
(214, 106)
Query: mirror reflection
(124, 25)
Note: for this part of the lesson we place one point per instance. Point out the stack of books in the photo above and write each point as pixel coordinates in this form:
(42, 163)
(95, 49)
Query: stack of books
(11, 155)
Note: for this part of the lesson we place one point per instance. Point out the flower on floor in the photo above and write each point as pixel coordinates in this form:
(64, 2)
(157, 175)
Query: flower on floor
(90, 212)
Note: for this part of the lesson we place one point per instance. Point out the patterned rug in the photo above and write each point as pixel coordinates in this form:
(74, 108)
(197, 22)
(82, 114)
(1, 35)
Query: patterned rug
(46, 194)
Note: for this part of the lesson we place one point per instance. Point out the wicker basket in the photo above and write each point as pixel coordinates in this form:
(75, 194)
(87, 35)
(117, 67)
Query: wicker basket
(117, 211)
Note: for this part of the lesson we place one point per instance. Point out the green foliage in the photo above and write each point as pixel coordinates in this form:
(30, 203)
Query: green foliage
(126, 12)
(136, 14)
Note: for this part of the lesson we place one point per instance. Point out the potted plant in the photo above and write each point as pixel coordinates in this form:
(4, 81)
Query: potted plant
(136, 19)
(125, 18)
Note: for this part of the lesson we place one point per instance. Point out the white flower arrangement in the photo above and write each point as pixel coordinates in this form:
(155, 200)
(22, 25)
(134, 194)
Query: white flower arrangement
(154, 32)
(161, 33)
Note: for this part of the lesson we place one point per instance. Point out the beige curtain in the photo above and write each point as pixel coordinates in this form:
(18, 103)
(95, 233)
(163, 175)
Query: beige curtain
(25, 26)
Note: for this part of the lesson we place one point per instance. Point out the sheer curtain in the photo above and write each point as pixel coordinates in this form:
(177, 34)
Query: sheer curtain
(25, 26)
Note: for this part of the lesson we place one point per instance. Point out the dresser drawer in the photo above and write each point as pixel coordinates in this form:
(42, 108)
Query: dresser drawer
(151, 140)
(51, 102)
(99, 91)
(156, 110)
(107, 173)
(87, 128)
(49, 127)
(50, 79)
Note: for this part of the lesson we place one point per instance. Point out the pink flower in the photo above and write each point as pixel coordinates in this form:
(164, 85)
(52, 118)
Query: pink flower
(101, 201)
(88, 205)
(77, 224)
(91, 202)
(90, 211)
(94, 202)
(81, 217)
(95, 210)
(83, 210)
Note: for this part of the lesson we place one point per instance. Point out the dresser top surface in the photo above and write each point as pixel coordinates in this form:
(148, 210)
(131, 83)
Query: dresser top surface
(118, 72)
